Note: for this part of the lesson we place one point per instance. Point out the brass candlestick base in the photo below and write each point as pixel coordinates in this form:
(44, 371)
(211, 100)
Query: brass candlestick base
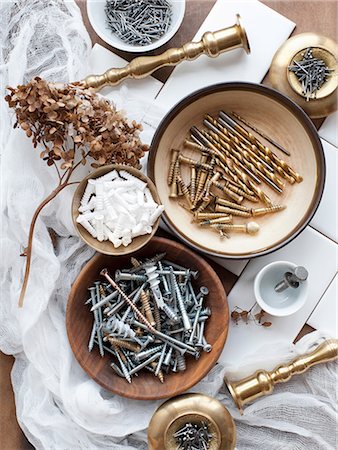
(212, 44)
(262, 382)
(194, 408)
(285, 81)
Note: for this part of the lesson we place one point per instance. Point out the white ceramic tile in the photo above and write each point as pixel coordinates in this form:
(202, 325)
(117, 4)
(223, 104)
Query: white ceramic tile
(311, 250)
(329, 129)
(266, 30)
(102, 59)
(325, 316)
(234, 266)
(326, 217)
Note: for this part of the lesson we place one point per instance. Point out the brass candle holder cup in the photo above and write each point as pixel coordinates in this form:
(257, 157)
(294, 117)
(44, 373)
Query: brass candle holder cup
(262, 382)
(212, 44)
(175, 413)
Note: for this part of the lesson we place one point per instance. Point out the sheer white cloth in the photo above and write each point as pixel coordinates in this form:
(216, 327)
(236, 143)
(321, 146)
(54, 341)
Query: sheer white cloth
(58, 406)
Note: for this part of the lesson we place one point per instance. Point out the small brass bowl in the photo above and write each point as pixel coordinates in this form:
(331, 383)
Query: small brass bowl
(195, 408)
(107, 247)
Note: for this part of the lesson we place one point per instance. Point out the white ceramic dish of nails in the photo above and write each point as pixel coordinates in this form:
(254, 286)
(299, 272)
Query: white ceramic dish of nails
(98, 19)
(275, 303)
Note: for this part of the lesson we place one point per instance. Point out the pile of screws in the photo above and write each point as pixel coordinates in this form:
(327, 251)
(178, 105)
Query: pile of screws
(232, 165)
(149, 317)
(193, 436)
(118, 207)
(311, 73)
(138, 22)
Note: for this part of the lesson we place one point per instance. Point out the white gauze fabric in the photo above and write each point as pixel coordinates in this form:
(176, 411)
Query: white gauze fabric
(58, 406)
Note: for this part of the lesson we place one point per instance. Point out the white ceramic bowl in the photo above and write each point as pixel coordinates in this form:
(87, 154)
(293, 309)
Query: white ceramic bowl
(97, 18)
(278, 303)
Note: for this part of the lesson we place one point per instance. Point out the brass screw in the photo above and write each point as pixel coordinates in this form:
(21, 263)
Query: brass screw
(203, 206)
(229, 192)
(200, 185)
(192, 183)
(206, 193)
(249, 228)
(192, 162)
(102, 291)
(269, 210)
(234, 212)
(115, 342)
(174, 187)
(160, 373)
(211, 215)
(185, 191)
(157, 317)
(223, 220)
(144, 296)
(135, 262)
(222, 201)
(174, 155)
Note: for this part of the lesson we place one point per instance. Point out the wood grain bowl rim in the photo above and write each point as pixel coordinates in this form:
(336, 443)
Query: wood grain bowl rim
(106, 247)
(213, 356)
(293, 108)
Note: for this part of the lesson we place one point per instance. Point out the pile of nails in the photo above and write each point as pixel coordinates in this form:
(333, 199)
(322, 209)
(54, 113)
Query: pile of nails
(232, 166)
(149, 317)
(193, 436)
(311, 73)
(138, 22)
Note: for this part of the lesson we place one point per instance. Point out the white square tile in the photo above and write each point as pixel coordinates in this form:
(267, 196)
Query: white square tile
(325, 316)
(311, 250)
(266, 30)
(235, 266)
(326, 218)
(329, 129)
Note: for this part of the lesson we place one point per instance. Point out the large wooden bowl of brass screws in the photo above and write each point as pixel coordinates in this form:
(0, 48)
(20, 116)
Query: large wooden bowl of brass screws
(150, 326)
(192, 421)
(239, 168)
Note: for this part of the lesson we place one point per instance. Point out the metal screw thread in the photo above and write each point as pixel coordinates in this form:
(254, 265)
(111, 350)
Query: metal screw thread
(258, 192)
(170, 313)
(135, 262)
(180, 301)
(174, 187)
(102, 291)
(269, 210)
(200, 185)
(124, 344)
(181, 365)
(145, 353)
(185, 190)
(249, 228)
(160, 375)
(203, 205)
(157, 317)
(192, 162)
(224, 220)
(122, 360)
(223, 202)
(207, 216)
(232, 211)
(192, 183)
(241, 192)
(147, 308)
(228, 192)
(174, 155)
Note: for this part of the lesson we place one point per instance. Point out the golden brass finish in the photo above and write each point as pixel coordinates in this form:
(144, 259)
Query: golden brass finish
(124, 344)
(157, 317)
(326, 102)
(174, 155)
(249, 228)
(271, 209)
(202, 216)
(224, 219)
(185, 191)
(260, 194)
(176, 412)
(211, 44)
(238, 198)
(174, 185)
(191, 162)
(223, 202)
(192, 183)
(232, 211)
(211, 180)
(135, 262)
(160, 375)
(145, 300)
(203, 206)
(262, 382)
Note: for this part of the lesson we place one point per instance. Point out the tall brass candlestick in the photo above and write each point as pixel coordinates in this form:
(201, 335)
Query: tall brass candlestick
(212, 44)
(262, 382)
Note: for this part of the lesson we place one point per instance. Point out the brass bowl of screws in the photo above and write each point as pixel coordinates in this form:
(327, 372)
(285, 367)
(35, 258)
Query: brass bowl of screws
(150, 326)
(239, 169)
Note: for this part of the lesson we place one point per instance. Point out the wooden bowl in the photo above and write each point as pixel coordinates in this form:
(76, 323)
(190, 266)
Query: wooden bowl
(146, 387)
(283, 121)
(107, 247)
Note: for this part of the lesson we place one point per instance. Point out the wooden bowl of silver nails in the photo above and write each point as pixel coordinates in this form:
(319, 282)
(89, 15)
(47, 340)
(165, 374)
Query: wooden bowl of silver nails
(146, 386)
(106, 246)
(250, 170)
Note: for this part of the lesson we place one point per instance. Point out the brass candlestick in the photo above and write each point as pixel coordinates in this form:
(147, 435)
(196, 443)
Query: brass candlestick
(262, 382)
(191, 408)
(211, 44)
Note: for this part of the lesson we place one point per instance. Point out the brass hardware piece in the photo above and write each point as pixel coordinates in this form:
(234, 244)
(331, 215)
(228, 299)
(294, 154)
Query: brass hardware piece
(124, 344)
(192, 162)
(249, 228)
(262, 382)
(212, 179)
(258, 191)
(211, 44)
(263, 211)
(185, 191)
(223, 202)
(202, 178)
(229, 192)
(202, 216)
(192, 183)
(203, 206)
(157, 317)
(160, 375)
(261, 133)
(145, 300)
(135, 262)
(172, 415)
(224, 219)
(174, 185)
(174, 155)
(232, 211)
